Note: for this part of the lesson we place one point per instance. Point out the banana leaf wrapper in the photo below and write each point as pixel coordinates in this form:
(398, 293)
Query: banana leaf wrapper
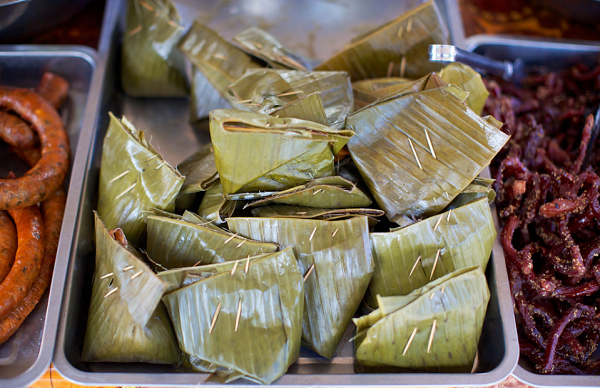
(398, 48)
(268, 336)
(341, 254)
(181, 243)
(480, 187)
(150, 65)
(219, 61)
(214, 206)
(468, 80)
(256, 152)
(308, 107)
(456, 306)
(266, 90)
(464, 238)
(127, 321)
(263, 45)
(199, 170)
(408, 187)
(133, 178)
(204, 97)
(304, 212)
(363, 90)
(332, 192)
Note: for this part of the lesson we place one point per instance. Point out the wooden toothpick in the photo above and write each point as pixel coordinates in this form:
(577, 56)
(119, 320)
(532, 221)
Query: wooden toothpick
(127, 190)
(415, 153)
(437, 257)
(290, 93)
(220, 56)
(111, 292)
(409, 27)
(400, 31)
(121, 175)
(128, 268)
(234, 268)
(229, 239)
(335, 232)
(239, 313)
(437, 223)
(449, 214)
(429, 143)
(312, 267)
(414, 266)
(240, 244)
(312, 234)
(214, 318)
(402, 66)
(107, 275)
(135, 275)
(390, 69)
(247, 263)
(431, 335)
(410, 340)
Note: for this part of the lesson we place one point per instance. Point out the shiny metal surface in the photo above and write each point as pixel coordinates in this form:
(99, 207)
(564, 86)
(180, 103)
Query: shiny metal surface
(27, 355)
(313, 29)
(555, 55)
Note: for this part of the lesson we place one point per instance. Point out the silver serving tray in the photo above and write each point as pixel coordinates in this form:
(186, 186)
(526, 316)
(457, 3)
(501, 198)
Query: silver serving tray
(315, 28)
(27, 354)
(556, 55)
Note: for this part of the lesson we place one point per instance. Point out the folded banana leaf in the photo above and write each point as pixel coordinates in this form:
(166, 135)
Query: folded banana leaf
(255, 152)
(248, 322)
(214, 207)
(468, 80)
(127, 321)
(181, 243)
(398, 48)
(339, 254)
(263, 45)
(308, 107)
(266, 90)
(219, 61)
(410, 257)
(133, 177)
(480, 187)
(430, 146)
(199, 170)
(292, 211)
(362, 90)
(204, 97)
(332, 192)
(434, 329)
(150, 67)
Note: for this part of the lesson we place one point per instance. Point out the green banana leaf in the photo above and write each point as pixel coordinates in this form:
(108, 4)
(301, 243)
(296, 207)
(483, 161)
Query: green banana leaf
(265, 90)
(126, 321)
(341, 254)
(181, 243)
(399, 47)
(363, 90)
(292, 211)
(255, 152)
(133, 177)
(308, 107)
(199, 170)
(406, 187)
(267, 340)
(464, 238)
(456, 308)
(219, 61)
(468, 80)
(214, 207)
(263, 45)
(150, 67)
(332, 192)
(204, 97)
(480, 187)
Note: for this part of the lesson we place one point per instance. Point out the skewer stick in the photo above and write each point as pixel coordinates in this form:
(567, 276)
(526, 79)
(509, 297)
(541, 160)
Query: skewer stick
(449, 214)
(111, 292)
(245, 101)
(214, 318)
(431, 335)
(402, 66)
(312, 234)
(429, 143)
(301, 213)
(431, 296)
(152, 157)
(128, 268)
(121, 175)
(437, 223)
(410, 340)
(239, 313)
(160, 165)
(435, 200)
(127, 190)
(234, 268)
(409, 27)
(414, 266)
(240, 244)
(335, 232)
(443, 287)
(135, 30)
(400, 31)
(229, 239)
(415, 153)
(247, 263)
(312, 267)
(199, 261)
(135, 275)
(107, 275)
(220, 56)
(290, 93)
(147, 6)
(437, 257)
(390, 69)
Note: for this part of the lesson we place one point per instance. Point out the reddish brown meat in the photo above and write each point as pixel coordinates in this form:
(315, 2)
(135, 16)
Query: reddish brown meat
(8, 244)
(53, 88)
(15, 131)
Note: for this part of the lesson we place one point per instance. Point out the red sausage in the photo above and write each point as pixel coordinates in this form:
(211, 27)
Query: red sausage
(8, 244)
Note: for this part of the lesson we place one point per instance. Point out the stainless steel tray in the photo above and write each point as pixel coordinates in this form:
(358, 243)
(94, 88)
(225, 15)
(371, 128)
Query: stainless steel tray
(311, 27)
(27, 355)
(555, 55)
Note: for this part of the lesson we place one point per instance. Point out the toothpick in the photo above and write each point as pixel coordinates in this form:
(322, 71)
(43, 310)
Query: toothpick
(309, 272)
(240, 244)
(335, 232)
(199, 261)
(111, 292)
(431, 296)
(447, 195)
(245, 101)
(135, 275)
(414, 266)
(119, 176)
(443, 287)
(267, 125)
(409, 27)
(390, 69)
(415, 153)
(435, 200)
(449, 214)
(229, 239)
(290, 93)
(312, 234)
(220, 56)
(173, 24)
(135, 30)
(410, 340)
(234, 268)
(239, 313)
(247, 263)
(400, 31)
(147, 6)
(214, 318)
(160, 165)
(402, 66)
(437, 256)
(128, 268)
(127, 190)
(437, 224)
(152, 157)
(429, 143)
(318, 191)
(431, 335)
(301, 213)
(258, 44)
(107, 276)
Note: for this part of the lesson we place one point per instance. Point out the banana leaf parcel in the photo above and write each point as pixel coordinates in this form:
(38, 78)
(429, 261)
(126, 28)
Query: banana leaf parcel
(480, 187)
(200, 174)
(398, 48)
(263, 45)
(308, 107)
(133, 178)
(266, 90)
(410, 257)
(255, 152)
(127, 321)
(248, 320)
(339, 254)
(180, 243)
(468, 80)
(418, 151)
(150, 65)
(214, 206)
(204, 97)
(436, 328)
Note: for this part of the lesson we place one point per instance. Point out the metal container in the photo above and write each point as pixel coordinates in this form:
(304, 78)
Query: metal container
(166, 122)
(554, 55)
(27, 354)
